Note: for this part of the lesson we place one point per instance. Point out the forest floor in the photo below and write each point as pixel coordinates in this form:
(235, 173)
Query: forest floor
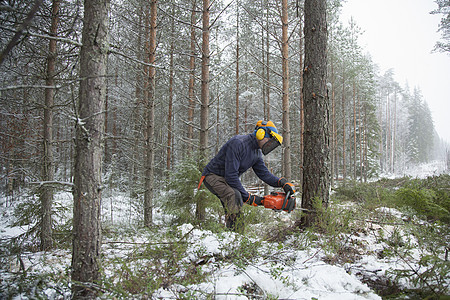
(357, 251)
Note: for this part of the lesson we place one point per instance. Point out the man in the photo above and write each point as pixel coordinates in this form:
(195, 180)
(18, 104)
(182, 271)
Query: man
(221, 174)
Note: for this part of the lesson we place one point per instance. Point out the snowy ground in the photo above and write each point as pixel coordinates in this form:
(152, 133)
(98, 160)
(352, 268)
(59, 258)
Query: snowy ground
(421, 171)
(233, 266)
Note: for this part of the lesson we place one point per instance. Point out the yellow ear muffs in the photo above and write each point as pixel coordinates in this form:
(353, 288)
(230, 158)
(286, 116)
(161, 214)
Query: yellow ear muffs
(260, 134)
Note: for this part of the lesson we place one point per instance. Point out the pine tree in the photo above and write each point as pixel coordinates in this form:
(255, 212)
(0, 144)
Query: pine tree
(89, 149)
(316, 181)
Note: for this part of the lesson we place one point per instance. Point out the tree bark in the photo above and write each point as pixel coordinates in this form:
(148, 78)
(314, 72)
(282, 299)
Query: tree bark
(191, 89)
(316, 181)
(137, 109)
(46, 196)
(267, 111)
(302, 103)
(150, 119)
(333, 168)
(237, 69)
(170, 112)
(344, 161)
(354, 130)
(89, 148)
(285, 100)
(204, 111)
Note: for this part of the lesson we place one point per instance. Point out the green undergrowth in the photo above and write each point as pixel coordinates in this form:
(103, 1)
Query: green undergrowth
(410, 219)
(429, 198)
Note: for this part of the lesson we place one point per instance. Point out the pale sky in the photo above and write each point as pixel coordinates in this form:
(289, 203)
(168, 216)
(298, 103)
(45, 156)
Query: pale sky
(400, 34)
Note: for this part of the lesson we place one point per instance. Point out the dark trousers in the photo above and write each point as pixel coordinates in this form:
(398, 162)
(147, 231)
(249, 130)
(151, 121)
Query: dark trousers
(231, 200)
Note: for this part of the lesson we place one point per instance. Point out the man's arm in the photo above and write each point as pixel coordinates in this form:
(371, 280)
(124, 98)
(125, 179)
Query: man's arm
(264, 174)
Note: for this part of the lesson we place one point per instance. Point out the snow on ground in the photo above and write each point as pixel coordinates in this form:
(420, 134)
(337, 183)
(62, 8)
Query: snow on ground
(281, 270)
(421, 171)
(308, 277)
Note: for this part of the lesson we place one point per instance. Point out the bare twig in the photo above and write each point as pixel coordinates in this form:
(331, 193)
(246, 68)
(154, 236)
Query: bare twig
(22, 27)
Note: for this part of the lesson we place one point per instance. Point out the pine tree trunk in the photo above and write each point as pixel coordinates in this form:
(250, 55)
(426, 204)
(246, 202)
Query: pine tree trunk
(204, 111)
(316, 180)
(354, 129)
(237, 69)
(150, 119)
(46, 195)
(137, 111)
(388, 135)
(263, 60)
(344, 161)
(333, 126)
(285, 70)
(170, 112)
(365, 141)
(361, 133)
(265, 74)
(267, 62)
(106, 152)
(191, 90)
(89, 149)
(302, 103)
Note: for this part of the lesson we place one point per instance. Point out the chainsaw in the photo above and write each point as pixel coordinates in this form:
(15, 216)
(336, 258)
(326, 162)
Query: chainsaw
(279, 201)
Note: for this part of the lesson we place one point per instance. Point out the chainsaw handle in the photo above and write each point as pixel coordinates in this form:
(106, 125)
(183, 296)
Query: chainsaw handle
(285, 200)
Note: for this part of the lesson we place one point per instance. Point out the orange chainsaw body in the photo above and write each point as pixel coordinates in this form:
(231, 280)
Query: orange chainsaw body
(279, 201)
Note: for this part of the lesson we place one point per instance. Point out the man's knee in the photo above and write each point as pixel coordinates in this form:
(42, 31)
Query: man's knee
(233, 200)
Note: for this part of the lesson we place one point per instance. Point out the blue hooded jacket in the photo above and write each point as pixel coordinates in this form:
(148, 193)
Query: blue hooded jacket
(235, 157)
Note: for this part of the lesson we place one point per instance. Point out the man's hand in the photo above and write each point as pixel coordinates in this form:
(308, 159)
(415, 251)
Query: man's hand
(254, 200)
(287, 186)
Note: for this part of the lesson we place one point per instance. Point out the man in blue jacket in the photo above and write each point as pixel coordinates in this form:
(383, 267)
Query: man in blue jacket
(241, 152)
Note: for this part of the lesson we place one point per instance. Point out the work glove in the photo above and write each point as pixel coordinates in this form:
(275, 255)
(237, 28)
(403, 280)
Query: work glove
(287, 186)
(254, 200)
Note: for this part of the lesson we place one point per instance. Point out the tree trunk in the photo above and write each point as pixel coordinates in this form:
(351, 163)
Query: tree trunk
(333, 168)
(354, 129)
(191, 91)
(266, 75)
(344, 161)
(150, 119)
(316, 181)
(267, 112)
(137, 111)
(204, 111)
(237, 69)
(302, 102)
(285, 100)
(89, 147)
(46, 195)
(170, 112)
